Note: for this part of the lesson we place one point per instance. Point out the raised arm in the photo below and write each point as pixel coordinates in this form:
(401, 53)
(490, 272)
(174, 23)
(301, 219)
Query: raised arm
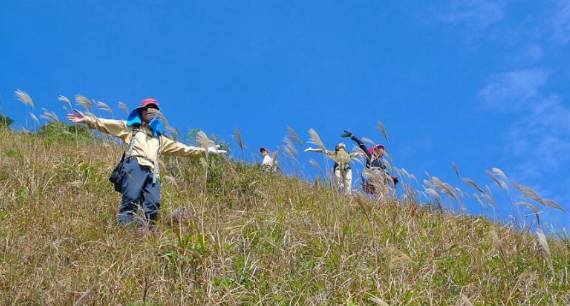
(358, 141)
(112, 127)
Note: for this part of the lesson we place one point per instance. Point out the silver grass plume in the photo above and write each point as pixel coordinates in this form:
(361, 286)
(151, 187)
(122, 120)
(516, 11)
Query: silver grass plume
(84, 101)
(456, 169)
(172, 131)
(90, 114)
(405, 173)
(368, 141)
(495, 178)
(465, 301)
(104, 106)
(274, 156)
(376, 300)
(531, 194)
(204, 141)
(479, 200)
(289, 153)
(382, 129)
(66, 103)
(239, 140)
(156, 114)
(35, 118)
(500, 173)
(471, 183)
(122, 106)
(446, 188)
(545, 249)
(293, 136)
(49, 116)
(488, 197)
(315, 164)
(316, 139)
(24, 97)
(531, 207)
(290, 146)
(432, 193)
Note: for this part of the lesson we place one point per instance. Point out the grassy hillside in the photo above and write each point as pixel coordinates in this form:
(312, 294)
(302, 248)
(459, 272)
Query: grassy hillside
(241, 237)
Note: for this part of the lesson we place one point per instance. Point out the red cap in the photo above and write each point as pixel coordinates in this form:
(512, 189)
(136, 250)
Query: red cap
(149, 101)
(378, 146)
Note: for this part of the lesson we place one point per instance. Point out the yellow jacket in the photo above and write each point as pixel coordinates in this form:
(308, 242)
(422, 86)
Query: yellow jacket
(145, 147)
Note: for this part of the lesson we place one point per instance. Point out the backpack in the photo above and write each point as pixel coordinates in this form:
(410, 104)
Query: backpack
(116, 177)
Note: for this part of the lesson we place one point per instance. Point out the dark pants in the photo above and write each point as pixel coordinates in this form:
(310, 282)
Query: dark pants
(138, 190)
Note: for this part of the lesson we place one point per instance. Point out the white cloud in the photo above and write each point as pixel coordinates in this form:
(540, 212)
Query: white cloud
(561, 22)
(529, 53)
(540, 139)
(475, 14)
(513, 90)
(552, 115)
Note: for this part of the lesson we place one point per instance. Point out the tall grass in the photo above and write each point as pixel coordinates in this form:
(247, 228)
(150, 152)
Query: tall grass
(231, 233)
(246, 237)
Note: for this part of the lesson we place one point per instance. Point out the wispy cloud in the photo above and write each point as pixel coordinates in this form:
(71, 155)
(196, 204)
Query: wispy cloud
(539, 140)
(513, 90)
(561, 22)
(527, 34)
(474, 14)
(529, 53)
(539, 151)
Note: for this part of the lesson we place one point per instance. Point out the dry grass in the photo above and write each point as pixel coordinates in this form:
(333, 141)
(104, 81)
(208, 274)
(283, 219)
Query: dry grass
(246, 238)
(24, 97)
(84, 101)
(104, 107)
(316, 139)
(382, 130)
(239, 141)
(123, 107)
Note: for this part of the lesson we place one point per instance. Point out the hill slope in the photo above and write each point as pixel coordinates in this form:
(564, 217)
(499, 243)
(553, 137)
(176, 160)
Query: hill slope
(240, 236)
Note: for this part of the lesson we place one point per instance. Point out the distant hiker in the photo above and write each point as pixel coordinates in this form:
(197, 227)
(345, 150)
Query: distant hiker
(375, 176)
(137, 176)
(342, 169)
(268, 163)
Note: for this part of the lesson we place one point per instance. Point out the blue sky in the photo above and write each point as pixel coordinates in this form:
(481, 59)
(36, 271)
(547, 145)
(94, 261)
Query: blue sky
(482, 83)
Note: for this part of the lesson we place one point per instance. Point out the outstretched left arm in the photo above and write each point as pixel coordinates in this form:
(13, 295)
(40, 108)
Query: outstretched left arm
(173, 147)
(319, 150)
(354, 155)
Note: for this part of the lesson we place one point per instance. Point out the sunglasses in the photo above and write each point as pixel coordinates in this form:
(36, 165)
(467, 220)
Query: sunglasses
(150, 107)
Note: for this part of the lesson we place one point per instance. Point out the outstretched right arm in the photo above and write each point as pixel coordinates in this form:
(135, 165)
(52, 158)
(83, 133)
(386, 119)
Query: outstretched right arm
(358, 141)
(319, 150)
(116, 128)
(316, 150)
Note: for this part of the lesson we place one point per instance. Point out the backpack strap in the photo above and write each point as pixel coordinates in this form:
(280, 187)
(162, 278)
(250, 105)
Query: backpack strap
(129, 150)
(129, 153)
(156, 170)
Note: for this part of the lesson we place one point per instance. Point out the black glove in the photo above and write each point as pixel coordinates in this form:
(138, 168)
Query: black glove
(346, 134)
(395, 179)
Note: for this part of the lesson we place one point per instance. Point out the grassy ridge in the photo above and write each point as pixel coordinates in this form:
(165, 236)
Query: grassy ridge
(239, 236)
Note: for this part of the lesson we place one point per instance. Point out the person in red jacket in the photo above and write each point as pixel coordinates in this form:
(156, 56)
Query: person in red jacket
(375, 175)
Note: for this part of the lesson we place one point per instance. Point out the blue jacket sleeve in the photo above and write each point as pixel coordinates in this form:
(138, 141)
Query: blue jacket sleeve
(361, 145)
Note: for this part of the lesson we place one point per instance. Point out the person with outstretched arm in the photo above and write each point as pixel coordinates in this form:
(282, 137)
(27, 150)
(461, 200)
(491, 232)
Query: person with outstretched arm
(375, 165)
(342, 168)
(137, 176)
